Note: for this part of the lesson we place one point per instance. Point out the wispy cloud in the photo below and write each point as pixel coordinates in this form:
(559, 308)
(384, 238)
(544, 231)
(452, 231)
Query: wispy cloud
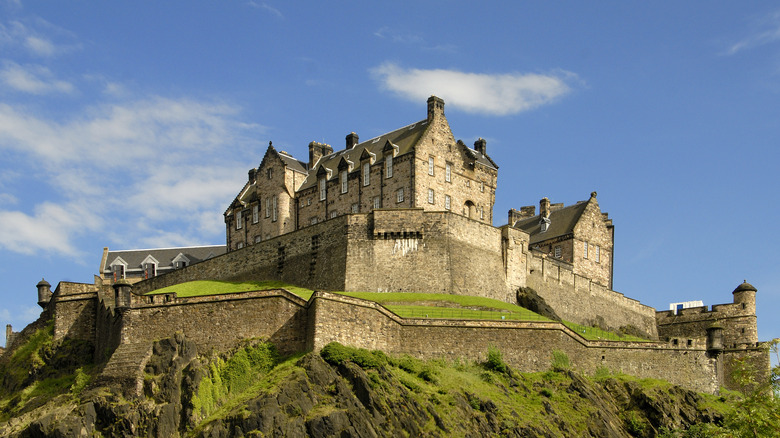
(408, 37)
(267, 7)
(37, 37)
(34, 79)
(126, 170)
(496, 94)
(765, 30)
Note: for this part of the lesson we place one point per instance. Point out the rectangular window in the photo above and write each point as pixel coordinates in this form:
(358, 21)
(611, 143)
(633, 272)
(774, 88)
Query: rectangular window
(314, 221)
(354, 208)
(258, 238)
(430, 196)
(399, 195)
(323, 189)
(376, 202)
(430, 165)
(255, 213)
(389, 166)
(344, 185)
(584, 250)
(366, 173)
(481, 186)
(239, 220)
(596, 255)
(558, 252)
(239, 245)
(270, 172)
(267, 208)
(448, 173)
(482, 212)
(333, 214)
(274, 210)
(447, 202)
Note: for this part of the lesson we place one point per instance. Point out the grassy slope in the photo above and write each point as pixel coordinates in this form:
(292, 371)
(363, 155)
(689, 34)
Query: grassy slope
(403, 304)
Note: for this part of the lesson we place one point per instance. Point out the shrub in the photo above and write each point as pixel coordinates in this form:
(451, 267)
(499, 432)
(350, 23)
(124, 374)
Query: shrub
(546, 392)
(560, 361)
(336, 354)
(429, 374)
(495, 360)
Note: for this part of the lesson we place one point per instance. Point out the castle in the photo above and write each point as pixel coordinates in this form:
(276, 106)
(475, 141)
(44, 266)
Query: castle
(407, 211)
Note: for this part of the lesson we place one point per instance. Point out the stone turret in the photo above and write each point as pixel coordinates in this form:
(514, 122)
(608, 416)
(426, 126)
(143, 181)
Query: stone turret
(745, 294)
(44, 292)
(715, 339)
(122, 290)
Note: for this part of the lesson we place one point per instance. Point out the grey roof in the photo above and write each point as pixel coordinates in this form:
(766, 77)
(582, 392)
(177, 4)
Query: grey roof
(405, 138)
(562, 222)
(165, 256)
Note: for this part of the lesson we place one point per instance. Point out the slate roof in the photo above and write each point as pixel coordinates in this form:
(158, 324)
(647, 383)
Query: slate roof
(292, 163)
(562, 222)
(165, 256)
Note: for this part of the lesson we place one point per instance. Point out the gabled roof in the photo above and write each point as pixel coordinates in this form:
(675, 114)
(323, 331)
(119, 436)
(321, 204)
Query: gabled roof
(562, 222)
(405, 138)
(135, 257)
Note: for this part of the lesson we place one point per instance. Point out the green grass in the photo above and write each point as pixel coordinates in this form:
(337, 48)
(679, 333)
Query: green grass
(449, 306)
(210, 287)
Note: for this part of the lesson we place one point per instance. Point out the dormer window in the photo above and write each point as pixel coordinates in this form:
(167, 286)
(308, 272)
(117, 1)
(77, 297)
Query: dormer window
(389, 166)
(366, 173)
(180, 261)
(544, 224)
(343, 176)
(323, 189)
(150, 270)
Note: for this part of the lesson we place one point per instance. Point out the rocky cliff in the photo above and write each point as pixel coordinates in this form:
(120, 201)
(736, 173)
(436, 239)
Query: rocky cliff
(55, 391)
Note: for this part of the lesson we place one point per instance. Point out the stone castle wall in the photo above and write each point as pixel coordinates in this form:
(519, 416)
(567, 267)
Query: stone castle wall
(578, 299)
(526, 346)
(74, 309)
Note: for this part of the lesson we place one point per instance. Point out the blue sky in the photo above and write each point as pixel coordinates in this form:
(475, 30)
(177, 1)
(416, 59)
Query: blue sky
(132, 124)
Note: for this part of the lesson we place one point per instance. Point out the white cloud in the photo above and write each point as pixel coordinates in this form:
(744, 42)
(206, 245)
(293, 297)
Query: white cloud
(765, 31)
(7, 198)
(32, 79)
(497, 94)
(143, 167)
(40, 46)
(267, 7)
(36, 37)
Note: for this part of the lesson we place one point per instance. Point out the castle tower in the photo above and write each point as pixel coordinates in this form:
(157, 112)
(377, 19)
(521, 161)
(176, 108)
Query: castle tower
(745, 294)
(44, 292)
(435, 107)
(122, 289)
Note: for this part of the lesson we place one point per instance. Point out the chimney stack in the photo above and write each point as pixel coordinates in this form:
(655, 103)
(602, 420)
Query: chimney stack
(352, 140)
(252, 175)
(316, 151)
(435, 107)
(481, 146)
(544, 207)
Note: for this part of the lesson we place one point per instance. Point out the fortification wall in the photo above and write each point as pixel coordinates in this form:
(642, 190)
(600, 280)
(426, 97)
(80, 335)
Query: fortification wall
(411, 250)
(108, 330)
(738, 322)
(220, 321)
(74, 306)
(313, 257)
(527, 346)
(578, 299)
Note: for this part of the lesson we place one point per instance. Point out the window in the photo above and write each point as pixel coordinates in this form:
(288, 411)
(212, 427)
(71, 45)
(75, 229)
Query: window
(119, 271)
(399, 195)
(481, 186)
(275, 210)
(468, 183)
(376, 202)
(333, 214)
(430, 196)
(389, 166)
(323, 189)
(596, 255)
(448, 173)
(366, 173)
(447, 202)
(150, 270)
(313, 221)
(258, 238)
(558, 252)
(584, 250)
(430, 165)
(344, 185)
(255, 213)
(267, 208)
(354, 208)
(308, 201)
(482, 212)
(239, 245)
(270, 173)
(239, 220)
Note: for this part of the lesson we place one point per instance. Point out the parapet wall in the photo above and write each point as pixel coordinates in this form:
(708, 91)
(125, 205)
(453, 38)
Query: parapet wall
(737, 321)
(578, 299)
(526, 346)
(74, 306)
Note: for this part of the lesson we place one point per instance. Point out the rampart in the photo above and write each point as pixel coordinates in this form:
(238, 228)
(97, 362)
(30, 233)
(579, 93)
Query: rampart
(581, 300)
